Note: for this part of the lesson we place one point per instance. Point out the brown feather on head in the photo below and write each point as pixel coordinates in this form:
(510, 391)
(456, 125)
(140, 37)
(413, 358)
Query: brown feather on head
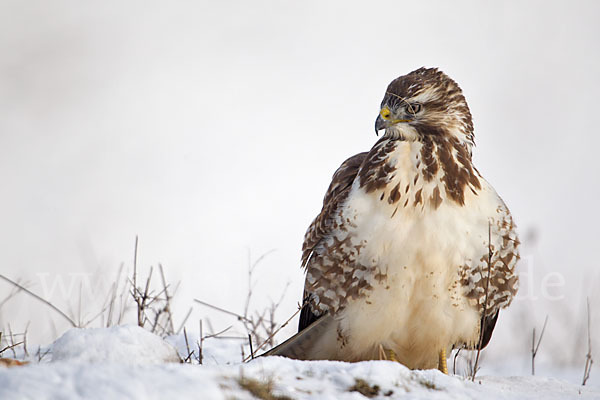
(425, 102)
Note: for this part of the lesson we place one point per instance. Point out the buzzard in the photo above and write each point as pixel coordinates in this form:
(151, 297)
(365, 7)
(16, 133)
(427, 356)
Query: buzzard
(413, 253)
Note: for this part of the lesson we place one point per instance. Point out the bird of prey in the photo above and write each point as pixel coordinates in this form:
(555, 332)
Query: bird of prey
(413, 253)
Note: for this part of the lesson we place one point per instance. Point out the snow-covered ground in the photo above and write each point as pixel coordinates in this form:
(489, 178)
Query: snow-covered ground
(129, 363)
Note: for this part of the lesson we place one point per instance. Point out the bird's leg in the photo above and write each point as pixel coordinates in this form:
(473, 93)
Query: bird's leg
(387, 354)
(393, 356)
(442, 363)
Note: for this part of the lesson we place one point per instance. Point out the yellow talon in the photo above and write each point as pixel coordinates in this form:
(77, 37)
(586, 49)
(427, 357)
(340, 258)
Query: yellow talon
(387, 354)
(442, 363)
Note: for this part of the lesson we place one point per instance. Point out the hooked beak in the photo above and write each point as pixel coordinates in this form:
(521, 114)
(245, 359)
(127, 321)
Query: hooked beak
(380, 124)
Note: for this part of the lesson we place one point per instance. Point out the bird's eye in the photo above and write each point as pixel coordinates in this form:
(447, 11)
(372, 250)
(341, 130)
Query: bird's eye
(413, 108)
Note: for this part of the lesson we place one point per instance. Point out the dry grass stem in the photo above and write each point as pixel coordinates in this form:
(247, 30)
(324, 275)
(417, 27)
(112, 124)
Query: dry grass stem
(535, 347)
(25, 339)
(454, 361)
(154, 311)
(588, 358)
(187, 316)
(260, 389)
(218, 334)
(260, 326)
(166, 310)
(485, 304)
(188, 358)
(200, 344)
(13, 292)
(269, 339)
(251, 349)
(238, 316)
(40, 355)
(11, 347)
(49, 304)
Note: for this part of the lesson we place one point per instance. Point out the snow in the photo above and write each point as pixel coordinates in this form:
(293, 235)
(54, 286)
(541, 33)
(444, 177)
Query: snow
(129, 363)
(295, 379)
(215, 350)
(127, 344)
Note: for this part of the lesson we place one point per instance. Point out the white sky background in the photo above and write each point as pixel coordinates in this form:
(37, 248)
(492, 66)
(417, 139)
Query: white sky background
(211, 129)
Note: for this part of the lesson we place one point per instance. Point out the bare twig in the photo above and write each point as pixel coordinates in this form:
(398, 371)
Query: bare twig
(200, 345)
(113, 297)
(257, 325)
(454, 361)
(535, 347)
(138, 297)
(184, 320)
(382, 355)
(146, 295)
(485, 304)
(251, 267)
(135, 250)
(79, 317)
(187, 346)
(95, 317)
(41, 355)
(218, 334)
(167, 307)
(238, 316)
(225, 337)
(14, 291)
(111, 310)
(65, 316)
(588, 358)
(25, 339)
(142, 297)
(277, 330)
(470, 365)
(11, 347)
(12, 341)
(251, 349)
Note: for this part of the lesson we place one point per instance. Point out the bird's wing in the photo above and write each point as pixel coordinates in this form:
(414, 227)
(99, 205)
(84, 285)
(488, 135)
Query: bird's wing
(323, 224)
(317, 335)
(336, 194)
(503, 282)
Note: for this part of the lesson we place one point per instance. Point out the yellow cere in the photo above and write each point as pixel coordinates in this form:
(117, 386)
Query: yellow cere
(385, 113)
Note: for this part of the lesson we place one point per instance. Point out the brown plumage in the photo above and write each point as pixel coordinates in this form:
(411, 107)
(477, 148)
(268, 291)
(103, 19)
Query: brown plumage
(397, 259)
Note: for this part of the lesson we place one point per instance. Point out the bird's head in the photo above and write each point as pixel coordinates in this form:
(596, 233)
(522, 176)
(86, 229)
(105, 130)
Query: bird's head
(425, 102)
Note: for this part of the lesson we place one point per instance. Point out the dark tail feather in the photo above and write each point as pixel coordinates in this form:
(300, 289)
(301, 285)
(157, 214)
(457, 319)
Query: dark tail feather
(487, 327)
(300, 345)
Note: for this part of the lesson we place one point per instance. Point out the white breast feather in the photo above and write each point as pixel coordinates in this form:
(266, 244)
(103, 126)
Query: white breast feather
(419, 307)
